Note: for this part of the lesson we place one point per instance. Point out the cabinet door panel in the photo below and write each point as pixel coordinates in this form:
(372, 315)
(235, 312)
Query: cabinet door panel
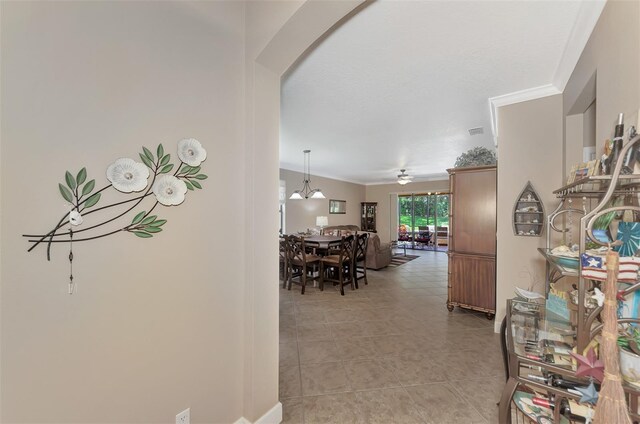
(474, 220)
(472, 280)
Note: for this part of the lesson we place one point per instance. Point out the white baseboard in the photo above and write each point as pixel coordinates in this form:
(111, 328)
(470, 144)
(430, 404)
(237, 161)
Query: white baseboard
(273, 416)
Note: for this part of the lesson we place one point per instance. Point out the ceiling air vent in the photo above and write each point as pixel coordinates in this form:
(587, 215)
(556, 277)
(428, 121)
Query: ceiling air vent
(476, 131)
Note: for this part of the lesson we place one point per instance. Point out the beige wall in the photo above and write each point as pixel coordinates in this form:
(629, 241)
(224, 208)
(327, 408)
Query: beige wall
(387, 208)
(156, 325)
(530, 149)
(301, 214)
(612, 54)
(534, 130)
(145, 336)
(297, 26)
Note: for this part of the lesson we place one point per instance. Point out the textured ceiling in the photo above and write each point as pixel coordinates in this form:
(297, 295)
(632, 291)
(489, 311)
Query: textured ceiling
(400, 84)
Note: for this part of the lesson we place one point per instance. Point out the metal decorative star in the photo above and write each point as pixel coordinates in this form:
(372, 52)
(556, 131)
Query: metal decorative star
(589, 394)
(589, 365)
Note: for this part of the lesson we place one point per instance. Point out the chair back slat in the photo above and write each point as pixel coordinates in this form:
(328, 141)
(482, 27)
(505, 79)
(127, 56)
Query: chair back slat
(346, 249)
(360, 247)
(297, 252)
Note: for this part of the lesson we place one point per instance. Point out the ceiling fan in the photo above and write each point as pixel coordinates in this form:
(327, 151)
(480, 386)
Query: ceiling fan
(404, 178)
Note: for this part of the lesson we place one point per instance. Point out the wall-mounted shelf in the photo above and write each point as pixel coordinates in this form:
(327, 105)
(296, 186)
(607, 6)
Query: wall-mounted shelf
(528, 213)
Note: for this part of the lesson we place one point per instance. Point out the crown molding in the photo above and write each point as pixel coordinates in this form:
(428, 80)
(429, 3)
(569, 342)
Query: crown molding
(586, 20)
(517, 97)
(588, 16)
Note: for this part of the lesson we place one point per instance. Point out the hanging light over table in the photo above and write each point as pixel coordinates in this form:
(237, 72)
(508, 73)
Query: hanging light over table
(306, 190)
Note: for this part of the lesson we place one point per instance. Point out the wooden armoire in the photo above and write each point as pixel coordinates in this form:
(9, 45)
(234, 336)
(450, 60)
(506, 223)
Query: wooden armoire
(472, 239)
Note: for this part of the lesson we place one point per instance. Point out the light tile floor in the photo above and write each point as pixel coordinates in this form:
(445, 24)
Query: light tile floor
(388, 353)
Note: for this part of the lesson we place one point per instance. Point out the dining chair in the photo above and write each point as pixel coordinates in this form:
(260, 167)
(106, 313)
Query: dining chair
(302, 265)
(283, 262)
(359, 267)
(337, 267)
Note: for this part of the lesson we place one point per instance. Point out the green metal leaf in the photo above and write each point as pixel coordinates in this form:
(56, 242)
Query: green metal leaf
(185, 169)
(142, 234)
(166, 168)
(65, 193)
(158, 223)
(196, 184)
(147, 153)
(194, 170)
(91, 201)
(146, 161)
(165, 160)
(138, 217)
(201, 177)
(82, 176)
(188, 184)
(148, 220)
(88, 187)
(71, 182)
(152, 229)
(160, 150)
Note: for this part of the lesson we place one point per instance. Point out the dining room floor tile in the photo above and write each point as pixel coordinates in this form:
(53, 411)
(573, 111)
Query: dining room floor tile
(389, 352)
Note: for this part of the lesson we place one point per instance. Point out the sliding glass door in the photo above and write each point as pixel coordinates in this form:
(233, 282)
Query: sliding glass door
(423, 220)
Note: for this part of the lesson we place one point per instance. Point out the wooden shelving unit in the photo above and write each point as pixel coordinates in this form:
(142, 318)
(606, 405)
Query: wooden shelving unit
(368, 213)
(528, 213)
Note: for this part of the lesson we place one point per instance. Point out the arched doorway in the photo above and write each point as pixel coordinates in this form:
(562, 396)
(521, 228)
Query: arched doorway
(272, 47)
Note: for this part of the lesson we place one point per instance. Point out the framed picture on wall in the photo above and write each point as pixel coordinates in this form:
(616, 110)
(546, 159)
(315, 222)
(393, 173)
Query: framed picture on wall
(337, 206)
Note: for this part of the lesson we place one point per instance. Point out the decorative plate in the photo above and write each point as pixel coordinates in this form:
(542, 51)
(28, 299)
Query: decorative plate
(629, 234)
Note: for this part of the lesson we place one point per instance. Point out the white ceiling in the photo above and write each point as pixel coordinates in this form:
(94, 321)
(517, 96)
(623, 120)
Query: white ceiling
(400, 83)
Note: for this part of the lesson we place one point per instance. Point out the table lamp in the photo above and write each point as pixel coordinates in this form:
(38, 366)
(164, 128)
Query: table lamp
(322, 221)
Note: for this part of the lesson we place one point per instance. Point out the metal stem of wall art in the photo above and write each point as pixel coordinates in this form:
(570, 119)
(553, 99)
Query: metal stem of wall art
(71, 286)
(126, 176)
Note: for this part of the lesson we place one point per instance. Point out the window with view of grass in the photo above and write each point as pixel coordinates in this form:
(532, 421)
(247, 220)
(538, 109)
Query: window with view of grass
(419, 211)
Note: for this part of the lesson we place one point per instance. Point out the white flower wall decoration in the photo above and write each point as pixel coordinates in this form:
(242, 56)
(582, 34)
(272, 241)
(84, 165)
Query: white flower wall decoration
(190, 151)
(138, 181)
(169, 190)
(127, 175)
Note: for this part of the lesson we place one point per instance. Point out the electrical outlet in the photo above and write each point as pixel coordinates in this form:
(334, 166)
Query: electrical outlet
(184, 417)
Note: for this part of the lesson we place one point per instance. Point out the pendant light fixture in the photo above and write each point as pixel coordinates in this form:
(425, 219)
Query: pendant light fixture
(404, 178)
(307, 191)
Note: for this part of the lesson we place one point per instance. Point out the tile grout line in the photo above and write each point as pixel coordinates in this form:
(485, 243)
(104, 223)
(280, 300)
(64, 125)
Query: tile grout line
(385, 301)
(299, 367)
(462, 395)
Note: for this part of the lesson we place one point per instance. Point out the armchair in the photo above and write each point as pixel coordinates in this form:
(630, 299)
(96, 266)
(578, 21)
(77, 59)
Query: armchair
(378, 254)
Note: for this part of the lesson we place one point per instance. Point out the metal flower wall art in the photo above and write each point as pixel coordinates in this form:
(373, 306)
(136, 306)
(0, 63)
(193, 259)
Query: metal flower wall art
(152, 179)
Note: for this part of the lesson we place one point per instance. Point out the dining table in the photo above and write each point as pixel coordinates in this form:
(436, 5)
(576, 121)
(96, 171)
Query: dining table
(322, 240)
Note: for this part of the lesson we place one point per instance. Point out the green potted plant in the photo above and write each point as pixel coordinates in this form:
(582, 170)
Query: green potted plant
(629, 346)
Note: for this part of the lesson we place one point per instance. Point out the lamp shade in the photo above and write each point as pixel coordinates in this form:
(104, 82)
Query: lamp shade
(317, 194)
(296, 196)
(322, 221)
